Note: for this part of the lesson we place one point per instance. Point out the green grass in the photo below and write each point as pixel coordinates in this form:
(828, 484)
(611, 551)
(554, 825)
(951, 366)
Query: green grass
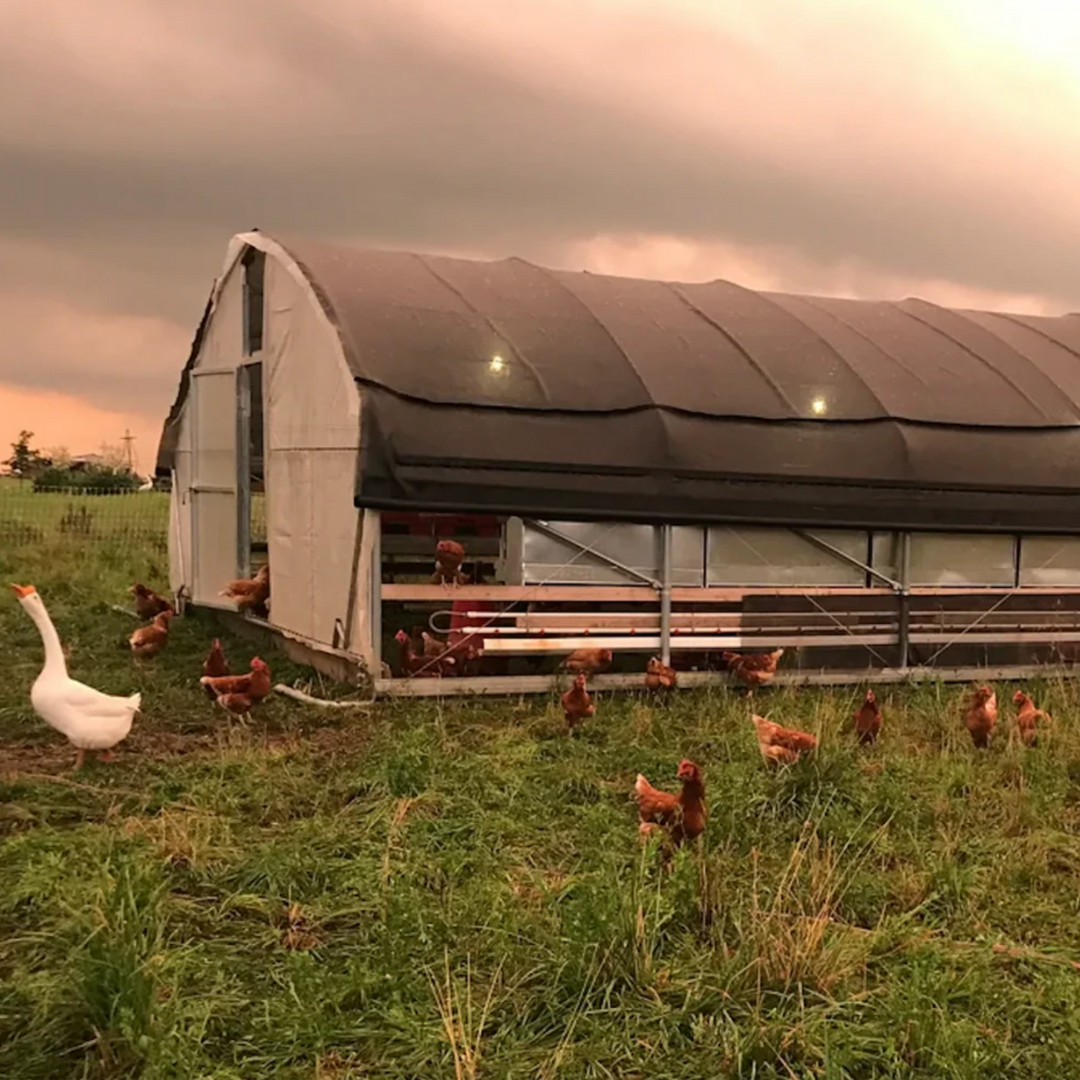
(136, 519)
(457, 890)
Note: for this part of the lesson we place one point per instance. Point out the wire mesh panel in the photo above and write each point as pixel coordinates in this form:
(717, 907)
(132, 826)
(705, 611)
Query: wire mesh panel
(121, 519)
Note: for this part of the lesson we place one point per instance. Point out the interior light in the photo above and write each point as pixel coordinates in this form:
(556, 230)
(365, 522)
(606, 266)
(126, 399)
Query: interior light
(497, 363)
(819, 406)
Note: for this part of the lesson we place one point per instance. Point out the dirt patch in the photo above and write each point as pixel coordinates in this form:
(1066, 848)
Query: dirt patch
(59, 757)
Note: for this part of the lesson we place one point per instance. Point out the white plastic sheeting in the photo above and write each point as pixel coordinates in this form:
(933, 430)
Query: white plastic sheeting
(311, 430)
(213, 491)
(551, 560)
(961, 559)
(767, 557)
(202, 536)
(311, 420)
(778, 557)
(1050, 560)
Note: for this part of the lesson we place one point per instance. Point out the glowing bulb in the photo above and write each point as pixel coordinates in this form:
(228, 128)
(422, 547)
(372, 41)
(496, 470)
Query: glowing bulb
(497, 363)
(818, 405)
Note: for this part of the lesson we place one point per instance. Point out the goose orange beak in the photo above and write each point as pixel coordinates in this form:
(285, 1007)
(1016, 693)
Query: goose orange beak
(23, 591)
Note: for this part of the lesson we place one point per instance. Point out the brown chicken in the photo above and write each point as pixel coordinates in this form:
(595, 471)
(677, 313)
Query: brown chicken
(588, 661)
(753, 669)
(1027, 718)
(681, 816)
(147, 602)
(466, 649)
(255, 685)
(658, 676)
(150, 640)
(981, 716)
(449, 555)
(413, 663)
(576, 703)
(250, 594)
(215, 666)
(782, 745)
(868, 719)
(240, 704)
(437, 653)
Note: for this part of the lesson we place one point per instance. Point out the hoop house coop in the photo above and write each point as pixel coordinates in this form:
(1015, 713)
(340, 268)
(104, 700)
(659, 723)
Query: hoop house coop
(649, 467)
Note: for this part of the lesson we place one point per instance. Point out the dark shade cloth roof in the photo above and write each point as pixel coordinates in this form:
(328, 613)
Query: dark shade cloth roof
(640, 400)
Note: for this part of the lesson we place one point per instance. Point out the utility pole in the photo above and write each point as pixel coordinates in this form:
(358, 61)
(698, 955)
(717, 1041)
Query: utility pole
(127, 440)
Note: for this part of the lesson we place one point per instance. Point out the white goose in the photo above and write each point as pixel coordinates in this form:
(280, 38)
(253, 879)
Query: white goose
(91, 720)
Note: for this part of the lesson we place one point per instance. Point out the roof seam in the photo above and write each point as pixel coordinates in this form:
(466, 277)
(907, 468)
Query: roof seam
(736, 344)
(491, 323)
(830, 347)
(1018, 320)
(551, 276)
(971, 352)
(814, 302)
(966, 316)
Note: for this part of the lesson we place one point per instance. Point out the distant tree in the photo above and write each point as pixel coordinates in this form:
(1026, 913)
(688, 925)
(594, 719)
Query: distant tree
(58, 455)
(113, 457)
(25, 462)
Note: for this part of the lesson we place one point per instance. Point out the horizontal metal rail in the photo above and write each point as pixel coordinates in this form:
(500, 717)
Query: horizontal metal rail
(496, 685)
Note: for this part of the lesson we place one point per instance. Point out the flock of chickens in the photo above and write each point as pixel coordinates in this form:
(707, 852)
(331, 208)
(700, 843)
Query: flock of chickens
(95, 723)
(250, 594)
(678, 818)
(237, 694)
(682, 817)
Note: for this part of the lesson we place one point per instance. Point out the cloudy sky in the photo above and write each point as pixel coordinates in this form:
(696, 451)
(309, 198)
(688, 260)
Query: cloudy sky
(878, 148)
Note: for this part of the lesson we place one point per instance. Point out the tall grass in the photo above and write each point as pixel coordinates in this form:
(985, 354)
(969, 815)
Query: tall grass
(457, 890)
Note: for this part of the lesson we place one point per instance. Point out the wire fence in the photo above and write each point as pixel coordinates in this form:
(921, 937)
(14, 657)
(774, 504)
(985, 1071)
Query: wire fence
(126, 519)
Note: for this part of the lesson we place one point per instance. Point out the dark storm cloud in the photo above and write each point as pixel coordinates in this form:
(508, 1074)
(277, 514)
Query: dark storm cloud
(141, 136)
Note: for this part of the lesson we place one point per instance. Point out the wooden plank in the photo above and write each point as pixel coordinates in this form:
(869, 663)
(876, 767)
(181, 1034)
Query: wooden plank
(520, 593)
(928, 631)
(680, 642)
(506, 645)
(626, 622)
(607, 593)
(976, 637)
(514, 685)
(682, 594)
(974, 590)
(729, 594)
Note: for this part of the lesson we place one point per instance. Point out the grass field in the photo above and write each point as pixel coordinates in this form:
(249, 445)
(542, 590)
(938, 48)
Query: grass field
(137, 520)
(458, 890)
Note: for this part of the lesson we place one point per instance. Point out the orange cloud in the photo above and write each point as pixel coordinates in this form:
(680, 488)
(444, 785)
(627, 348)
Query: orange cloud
(59, 420)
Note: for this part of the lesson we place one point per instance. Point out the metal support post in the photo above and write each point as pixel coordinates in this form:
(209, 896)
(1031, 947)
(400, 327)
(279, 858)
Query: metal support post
(665, 594)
